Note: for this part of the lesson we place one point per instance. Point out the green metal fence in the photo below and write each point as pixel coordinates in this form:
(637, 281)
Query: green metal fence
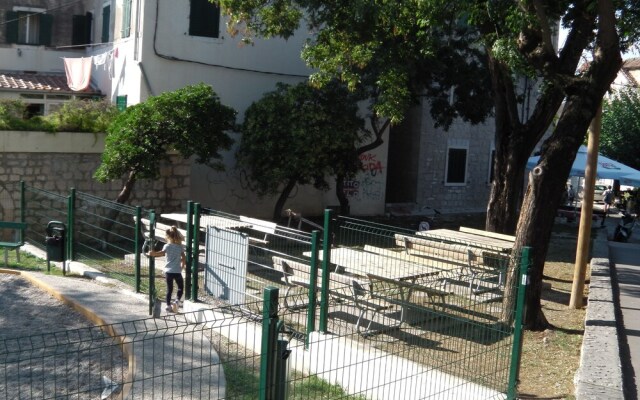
(374, 308)
(222, 353)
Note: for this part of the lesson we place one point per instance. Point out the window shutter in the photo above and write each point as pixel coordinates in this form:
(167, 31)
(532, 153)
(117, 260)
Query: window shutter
(46, 25)
(126, 18)
(204, 19)
(87, 33)
(12, 26)
(78, 31)
(106, 15)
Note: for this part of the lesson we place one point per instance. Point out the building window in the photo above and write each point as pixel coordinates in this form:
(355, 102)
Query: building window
(106, 16)
(81, 29)
(204, 19)
(456, 173)
(29, 26)
(126, 19)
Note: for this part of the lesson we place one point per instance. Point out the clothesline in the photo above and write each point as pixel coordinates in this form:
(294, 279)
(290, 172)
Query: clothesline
(78, 70)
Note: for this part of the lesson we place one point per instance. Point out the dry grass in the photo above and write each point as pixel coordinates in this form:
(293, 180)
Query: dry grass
(550, 358)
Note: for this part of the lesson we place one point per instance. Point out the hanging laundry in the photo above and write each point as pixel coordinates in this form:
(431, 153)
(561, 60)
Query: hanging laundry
(78, 72)
(101, 59)
(107, 61)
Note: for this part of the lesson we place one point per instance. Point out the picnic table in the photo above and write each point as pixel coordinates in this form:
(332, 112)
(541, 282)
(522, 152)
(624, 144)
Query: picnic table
(209, 220)
(470, 239)
(390, 282)
(360, 263)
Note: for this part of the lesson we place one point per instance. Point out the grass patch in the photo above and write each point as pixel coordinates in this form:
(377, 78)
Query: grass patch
(551, 358)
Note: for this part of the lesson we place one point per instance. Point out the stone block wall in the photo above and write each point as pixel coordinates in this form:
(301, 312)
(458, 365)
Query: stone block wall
(47, 166)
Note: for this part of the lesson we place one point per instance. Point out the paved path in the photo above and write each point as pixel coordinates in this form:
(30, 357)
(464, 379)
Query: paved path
(626, 257)
(165, 355)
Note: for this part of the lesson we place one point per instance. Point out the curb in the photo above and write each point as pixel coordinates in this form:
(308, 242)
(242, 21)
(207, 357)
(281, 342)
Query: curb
(600, 373)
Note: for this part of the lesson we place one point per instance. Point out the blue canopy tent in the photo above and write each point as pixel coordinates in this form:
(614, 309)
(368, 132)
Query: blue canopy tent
(606, 168)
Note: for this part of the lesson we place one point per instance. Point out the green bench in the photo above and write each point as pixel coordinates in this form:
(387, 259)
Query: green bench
(17, 229)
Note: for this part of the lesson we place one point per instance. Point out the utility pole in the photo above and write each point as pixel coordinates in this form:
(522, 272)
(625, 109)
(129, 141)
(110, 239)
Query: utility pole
(586, 212)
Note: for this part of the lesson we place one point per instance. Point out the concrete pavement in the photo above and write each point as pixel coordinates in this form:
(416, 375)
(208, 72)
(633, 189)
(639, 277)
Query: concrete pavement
(165, 355)
(625, 258)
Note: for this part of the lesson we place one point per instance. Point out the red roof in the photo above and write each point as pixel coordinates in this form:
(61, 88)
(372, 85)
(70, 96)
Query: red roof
(39, 82)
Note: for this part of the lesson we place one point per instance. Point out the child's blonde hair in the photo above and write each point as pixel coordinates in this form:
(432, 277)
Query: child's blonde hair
(173, 235)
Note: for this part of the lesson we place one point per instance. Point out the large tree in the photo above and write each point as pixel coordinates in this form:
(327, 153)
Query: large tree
(190, 121)
(402, 48)
(298, 135)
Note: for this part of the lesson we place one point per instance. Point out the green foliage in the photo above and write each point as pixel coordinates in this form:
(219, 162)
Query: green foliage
(620, 133)
(190, 121)
(300, 134)
(13, 118)
(394, 51)
(83, 116)
(74, 116)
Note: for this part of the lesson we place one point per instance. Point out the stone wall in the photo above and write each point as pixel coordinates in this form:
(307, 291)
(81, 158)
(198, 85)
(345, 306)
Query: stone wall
(62, 161)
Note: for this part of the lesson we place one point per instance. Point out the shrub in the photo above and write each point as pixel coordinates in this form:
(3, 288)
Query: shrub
(83, 116)
(74, 116)
(13, 117)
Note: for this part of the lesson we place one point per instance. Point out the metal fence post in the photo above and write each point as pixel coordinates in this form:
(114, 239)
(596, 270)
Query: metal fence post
(23, 202)
(189, 249)
(269, 343)
(137, 249)
(152, 263)
(326, 261)
(70, 222)
(313, 280)
(516, 351)
(195, 257)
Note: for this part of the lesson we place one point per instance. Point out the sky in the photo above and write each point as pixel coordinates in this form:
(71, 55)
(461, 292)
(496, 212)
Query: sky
(563, 36)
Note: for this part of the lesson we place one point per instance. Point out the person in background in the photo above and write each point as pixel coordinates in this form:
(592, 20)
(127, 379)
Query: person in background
(571, 195)
(175, 263)
(607, 198)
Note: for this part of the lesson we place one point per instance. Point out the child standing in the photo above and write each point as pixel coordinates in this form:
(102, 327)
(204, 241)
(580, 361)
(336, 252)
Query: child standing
(176, 261)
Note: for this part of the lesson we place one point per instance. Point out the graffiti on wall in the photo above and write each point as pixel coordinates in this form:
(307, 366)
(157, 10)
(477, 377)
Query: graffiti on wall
(369, 184)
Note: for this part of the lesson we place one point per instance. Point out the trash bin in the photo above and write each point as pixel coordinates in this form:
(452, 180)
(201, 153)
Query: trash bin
(54, 241)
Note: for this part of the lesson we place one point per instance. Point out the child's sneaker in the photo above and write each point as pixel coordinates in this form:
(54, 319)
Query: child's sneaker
(169, 309)
(174, 306)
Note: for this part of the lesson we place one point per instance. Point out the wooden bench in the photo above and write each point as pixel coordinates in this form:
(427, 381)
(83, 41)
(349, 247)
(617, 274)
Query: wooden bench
(16, 230)
(297, 273)
(341, 287)
(266, 227)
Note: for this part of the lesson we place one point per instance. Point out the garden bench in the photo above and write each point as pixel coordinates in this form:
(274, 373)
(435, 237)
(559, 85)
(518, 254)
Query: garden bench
(298, 274)
(16, 230)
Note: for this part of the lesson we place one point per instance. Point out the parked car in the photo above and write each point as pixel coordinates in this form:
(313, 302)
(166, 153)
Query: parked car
(597, 193)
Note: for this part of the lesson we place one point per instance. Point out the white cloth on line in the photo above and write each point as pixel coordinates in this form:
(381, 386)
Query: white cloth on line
(78, 72)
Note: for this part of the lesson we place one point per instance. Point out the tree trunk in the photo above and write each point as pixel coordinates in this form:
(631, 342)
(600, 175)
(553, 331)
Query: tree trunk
(125, 193)
(122, 198)
(282, 199)
(342, 198)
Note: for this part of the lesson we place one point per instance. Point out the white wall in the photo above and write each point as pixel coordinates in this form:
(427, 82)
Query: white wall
(35, 58)
(170, 59)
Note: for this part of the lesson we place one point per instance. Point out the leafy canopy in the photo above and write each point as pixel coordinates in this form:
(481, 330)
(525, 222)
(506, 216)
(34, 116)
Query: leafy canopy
(394, 50)
(300, 134)
(620, 133)
(190, 121)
